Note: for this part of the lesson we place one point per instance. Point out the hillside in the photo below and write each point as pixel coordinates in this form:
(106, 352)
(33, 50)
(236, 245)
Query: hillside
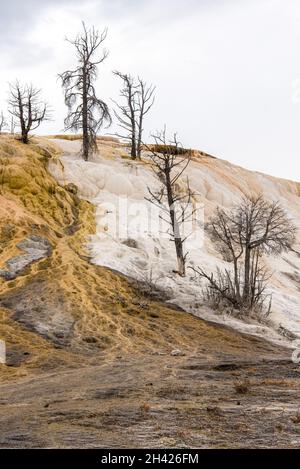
(117, 187)
(91, 351)
(62, 305)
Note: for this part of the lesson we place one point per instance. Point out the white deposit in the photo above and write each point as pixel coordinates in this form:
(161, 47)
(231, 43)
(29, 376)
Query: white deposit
(129, 240)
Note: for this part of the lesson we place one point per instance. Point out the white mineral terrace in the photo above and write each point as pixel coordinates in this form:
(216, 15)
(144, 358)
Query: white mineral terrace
(117, 187)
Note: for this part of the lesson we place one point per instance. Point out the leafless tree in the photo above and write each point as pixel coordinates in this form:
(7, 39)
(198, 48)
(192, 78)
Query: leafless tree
(26, 106)
(3, 123)
(126, 113)
(169, 164)
(138, 98)
(91, 112)
(252, 228)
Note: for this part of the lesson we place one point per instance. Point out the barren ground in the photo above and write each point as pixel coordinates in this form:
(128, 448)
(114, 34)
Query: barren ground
(199, 400)
(89, 354)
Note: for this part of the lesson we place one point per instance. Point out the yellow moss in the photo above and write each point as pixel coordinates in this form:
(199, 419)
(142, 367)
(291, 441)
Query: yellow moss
(24, 178)
(32, 197)
(14, 176)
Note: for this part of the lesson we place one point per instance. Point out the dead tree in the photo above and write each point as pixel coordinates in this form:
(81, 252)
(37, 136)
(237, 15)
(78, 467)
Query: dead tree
(3, 123)
(252, 228)
(26, 106)
(90, 112)
(126, 113)
(138, 99)
(169, 164)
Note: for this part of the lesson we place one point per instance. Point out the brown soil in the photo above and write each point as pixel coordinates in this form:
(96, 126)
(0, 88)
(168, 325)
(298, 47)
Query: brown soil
(155, 400)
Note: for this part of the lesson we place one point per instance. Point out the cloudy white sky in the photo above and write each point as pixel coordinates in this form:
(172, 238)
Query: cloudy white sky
(227, 71)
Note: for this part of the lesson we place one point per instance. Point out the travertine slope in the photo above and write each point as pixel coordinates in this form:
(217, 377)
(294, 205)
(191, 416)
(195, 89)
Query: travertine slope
(125, 241)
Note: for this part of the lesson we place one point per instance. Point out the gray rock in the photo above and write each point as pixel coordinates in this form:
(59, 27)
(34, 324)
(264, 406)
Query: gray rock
(18, 263)
(72, 188)
(34, 242)
(15, 356)
(141, 263)
(131, 243)
(177, 353)
(35, 248)
(7, 275)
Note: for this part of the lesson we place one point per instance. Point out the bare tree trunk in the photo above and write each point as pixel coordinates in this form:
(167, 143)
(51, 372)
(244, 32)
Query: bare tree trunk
(253, 275)
(175, 226)
(133, 141)
(140, 135)
(168, 164)
(180, 256)
(247, 264)
(85, 132)
(24, 132)
(133, 124)
(24, 137)
(140, 132)
(126, 114)
(138, 101)
(236, 280)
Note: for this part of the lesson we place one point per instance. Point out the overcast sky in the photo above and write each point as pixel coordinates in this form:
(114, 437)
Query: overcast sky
(227, 71)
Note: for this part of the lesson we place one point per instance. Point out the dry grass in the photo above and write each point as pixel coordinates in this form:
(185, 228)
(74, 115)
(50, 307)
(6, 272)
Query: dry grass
(72, 137)
(296, 418)
(145, 408)
(107, 138)
(288, 383)
(242, 387)
(169, 149)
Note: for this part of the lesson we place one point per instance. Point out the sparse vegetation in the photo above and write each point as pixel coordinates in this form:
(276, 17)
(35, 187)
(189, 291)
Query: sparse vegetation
(243, 235)
(145, 408)
(169, 149)
(242, 387)
(296, 418)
